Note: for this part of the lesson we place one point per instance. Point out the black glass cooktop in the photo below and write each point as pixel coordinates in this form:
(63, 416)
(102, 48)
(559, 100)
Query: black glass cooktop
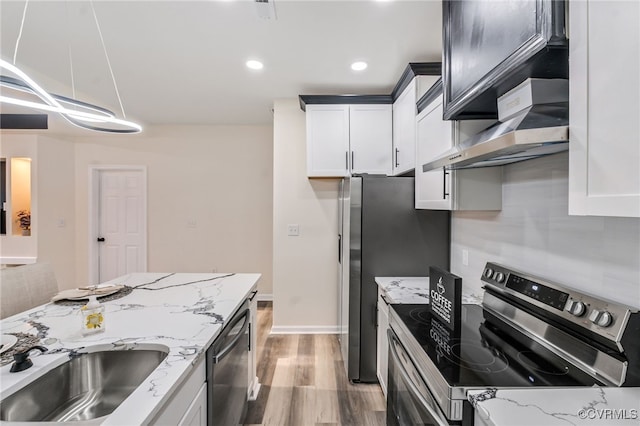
(486, 352)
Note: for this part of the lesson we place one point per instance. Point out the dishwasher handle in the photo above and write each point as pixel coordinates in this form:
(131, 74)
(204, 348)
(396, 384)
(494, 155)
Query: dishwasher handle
(217, 357)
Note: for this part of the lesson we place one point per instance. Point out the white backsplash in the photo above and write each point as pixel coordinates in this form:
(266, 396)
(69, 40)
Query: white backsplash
(534, 233)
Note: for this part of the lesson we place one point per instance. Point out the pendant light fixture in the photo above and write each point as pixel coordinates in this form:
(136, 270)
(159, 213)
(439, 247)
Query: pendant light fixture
(78, 113)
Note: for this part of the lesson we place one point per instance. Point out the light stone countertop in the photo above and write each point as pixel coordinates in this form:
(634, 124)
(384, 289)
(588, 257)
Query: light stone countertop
(568, 406)
(406, 290)
(183, 312)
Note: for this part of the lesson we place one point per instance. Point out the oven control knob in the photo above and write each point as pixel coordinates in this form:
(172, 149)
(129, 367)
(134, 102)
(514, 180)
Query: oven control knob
(601, 318)
(488, 273)
(575, 307)
(499, 277)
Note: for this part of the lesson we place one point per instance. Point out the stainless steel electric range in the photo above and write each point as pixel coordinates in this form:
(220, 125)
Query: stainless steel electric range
(527, 332)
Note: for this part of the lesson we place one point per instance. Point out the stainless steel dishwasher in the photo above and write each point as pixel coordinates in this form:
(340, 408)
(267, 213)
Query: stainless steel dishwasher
(228, 371)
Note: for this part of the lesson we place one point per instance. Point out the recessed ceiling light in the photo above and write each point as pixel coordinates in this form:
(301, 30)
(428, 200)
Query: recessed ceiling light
(359, 66)
(255, 65)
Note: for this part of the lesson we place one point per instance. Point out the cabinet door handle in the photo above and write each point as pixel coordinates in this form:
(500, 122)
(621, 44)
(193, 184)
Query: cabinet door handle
(397, 163)
(352, 161)
(445, 194)
(346, 160)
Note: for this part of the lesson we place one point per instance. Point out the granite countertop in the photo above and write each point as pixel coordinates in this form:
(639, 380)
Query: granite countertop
(180, 312)
(406, 290)
(567, 406)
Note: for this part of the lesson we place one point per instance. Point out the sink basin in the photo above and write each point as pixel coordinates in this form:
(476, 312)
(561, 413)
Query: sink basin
(83, 388)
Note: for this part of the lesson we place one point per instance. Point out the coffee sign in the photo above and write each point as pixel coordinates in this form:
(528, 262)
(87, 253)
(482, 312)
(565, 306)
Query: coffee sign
(445, 296)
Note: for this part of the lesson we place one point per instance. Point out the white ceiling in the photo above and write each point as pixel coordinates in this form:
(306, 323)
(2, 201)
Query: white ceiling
(182, 62)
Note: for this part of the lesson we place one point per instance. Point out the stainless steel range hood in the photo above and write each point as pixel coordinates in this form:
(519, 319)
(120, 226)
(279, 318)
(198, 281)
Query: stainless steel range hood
(539, 129)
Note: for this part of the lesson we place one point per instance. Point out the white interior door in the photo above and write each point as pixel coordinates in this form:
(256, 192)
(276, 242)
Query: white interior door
(121, 223)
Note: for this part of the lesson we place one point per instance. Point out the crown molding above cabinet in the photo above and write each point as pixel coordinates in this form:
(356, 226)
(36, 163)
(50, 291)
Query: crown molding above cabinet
(412, 70)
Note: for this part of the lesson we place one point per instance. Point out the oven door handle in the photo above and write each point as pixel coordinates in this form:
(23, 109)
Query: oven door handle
(393, 340)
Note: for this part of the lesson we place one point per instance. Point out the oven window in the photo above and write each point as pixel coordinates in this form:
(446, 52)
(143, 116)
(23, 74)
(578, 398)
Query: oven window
(404, 405)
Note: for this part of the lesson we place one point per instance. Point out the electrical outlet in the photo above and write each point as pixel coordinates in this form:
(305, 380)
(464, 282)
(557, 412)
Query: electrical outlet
(293, 230)
(465, 257)
(191, 223)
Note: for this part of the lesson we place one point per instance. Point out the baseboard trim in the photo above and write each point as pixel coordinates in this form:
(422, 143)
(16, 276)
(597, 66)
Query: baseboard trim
(254, 389)
(304, 329)
(265, 297)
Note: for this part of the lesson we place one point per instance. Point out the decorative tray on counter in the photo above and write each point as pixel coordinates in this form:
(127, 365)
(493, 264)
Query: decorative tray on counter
(79, 296)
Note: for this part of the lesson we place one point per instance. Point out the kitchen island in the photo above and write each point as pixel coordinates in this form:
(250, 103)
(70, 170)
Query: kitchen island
(180, 312)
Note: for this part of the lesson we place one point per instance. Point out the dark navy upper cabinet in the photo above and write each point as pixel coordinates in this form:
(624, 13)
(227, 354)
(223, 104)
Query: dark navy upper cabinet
(491, 46)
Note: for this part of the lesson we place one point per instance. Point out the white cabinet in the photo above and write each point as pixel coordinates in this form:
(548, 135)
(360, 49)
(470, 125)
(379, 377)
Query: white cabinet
(327, 140)
(370, 136)
(188, 404)
(404, 124)
(345, 139)
(196, 414)
(254, 385)
(383, 344)
(404, 130)
(470, 189)
(604, 83)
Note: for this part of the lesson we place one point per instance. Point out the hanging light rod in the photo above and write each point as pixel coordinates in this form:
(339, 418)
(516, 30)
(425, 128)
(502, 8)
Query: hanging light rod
(88, 113)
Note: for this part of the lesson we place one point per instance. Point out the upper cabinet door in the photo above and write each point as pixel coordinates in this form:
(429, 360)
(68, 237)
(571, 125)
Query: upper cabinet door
(370, 138)
(327, 140)
(404, 123)
(489, 47)
(435, 136)
(404, 130)
(604, 151)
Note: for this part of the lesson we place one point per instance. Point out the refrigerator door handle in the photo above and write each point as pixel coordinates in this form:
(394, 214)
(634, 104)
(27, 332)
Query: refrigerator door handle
(375, 314)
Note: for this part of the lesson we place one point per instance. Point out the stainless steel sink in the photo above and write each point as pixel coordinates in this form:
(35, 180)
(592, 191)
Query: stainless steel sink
(83, 388)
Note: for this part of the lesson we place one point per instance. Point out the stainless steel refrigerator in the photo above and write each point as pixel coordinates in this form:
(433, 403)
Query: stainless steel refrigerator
(380, 234)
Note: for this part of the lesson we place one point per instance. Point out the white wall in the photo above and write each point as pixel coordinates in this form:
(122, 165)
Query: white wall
(56, 209)
(305, 277)
(218, 176)
(534, 233)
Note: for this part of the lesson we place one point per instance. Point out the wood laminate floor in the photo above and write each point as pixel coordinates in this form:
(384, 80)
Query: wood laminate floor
(304, 382)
